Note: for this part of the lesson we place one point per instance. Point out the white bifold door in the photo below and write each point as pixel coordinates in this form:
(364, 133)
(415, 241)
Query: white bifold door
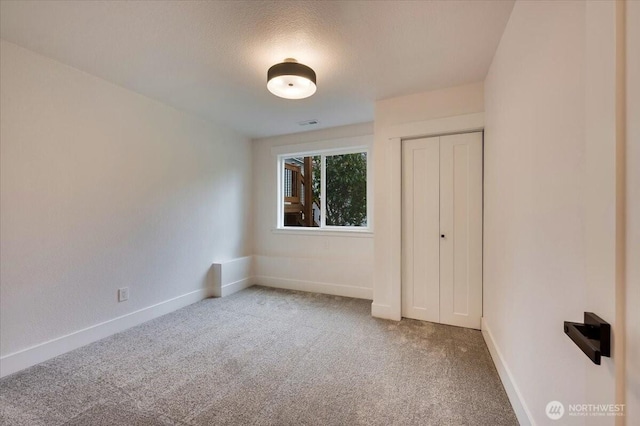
(442, 229)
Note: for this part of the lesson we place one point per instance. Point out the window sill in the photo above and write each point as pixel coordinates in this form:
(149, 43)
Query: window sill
(357, 233)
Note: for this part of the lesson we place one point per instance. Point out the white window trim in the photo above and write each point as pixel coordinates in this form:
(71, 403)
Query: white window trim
(324, 148)
(301, 230)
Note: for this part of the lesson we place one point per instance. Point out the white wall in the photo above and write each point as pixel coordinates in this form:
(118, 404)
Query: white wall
(332, 263)
(633, 211)
(441, 111)
(551, 200)
(103, 188)
(424, 106)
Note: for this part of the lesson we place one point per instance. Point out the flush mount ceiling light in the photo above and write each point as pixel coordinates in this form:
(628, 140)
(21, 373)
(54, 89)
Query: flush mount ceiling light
(291, 80)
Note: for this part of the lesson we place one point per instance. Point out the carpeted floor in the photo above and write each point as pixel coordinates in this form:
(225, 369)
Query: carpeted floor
(266, 356)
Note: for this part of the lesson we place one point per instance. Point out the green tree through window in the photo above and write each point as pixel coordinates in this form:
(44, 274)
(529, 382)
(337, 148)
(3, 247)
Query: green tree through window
(346, 189)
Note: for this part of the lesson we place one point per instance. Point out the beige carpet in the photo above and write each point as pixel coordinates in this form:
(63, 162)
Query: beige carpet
(267, 356)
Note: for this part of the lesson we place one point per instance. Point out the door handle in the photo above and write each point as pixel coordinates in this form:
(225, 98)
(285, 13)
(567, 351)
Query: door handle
(593, 336)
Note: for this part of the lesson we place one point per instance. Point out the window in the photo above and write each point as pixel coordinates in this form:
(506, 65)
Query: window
(324, 190)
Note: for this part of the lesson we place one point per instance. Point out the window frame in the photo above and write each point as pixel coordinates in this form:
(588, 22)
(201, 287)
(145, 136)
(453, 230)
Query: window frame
(323, 153)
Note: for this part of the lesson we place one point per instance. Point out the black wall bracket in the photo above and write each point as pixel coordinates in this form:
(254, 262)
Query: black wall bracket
(593, 337)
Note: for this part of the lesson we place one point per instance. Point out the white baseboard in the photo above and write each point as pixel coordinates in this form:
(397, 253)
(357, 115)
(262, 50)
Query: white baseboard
(236, 286)
(315, 287)
(383, 311)
(231, 276)
(22, 359)
(515, 397)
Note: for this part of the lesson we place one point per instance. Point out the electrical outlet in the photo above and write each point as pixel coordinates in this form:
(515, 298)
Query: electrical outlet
(123, 294)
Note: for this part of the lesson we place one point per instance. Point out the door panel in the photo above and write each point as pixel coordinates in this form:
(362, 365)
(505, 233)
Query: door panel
(461, 225)
(420, 242)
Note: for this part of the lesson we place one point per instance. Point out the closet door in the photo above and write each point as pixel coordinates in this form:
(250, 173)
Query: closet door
(420, 229)
(461, 230)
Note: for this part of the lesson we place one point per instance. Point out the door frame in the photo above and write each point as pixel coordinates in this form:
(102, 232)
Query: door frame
(387, 291)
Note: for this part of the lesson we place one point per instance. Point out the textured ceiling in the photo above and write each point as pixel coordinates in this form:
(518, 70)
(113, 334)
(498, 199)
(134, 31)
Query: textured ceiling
(211, 58)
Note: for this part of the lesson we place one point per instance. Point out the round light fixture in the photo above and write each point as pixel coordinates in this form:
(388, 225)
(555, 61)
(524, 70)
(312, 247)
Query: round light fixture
(291, 80)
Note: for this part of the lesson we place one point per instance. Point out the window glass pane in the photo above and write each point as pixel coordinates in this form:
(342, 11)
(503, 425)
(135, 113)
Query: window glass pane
(346, 189)
(301, 191)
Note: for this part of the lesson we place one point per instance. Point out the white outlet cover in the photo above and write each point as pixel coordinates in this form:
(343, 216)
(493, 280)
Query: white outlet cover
(123, 294)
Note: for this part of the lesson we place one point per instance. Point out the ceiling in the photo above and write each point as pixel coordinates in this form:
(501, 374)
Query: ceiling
(210, 58)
